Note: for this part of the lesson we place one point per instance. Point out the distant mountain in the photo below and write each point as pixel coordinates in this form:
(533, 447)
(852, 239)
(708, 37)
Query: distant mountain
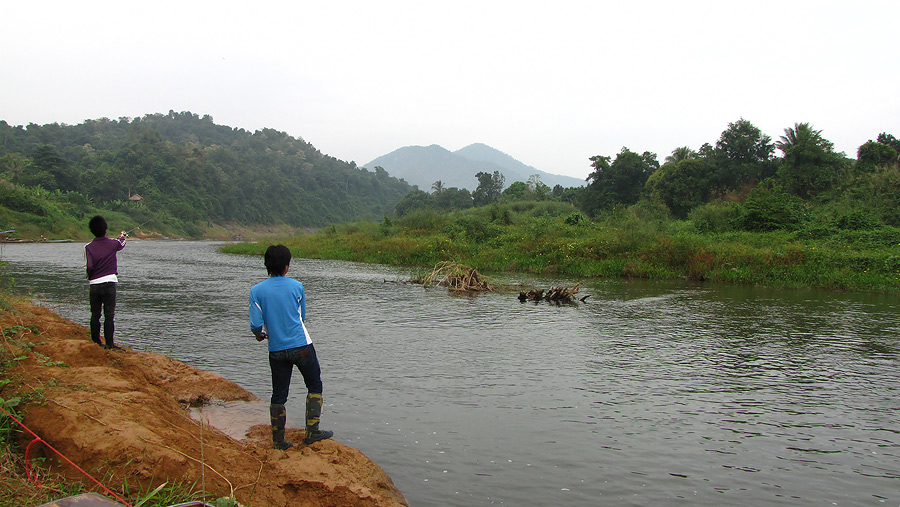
(423, 165)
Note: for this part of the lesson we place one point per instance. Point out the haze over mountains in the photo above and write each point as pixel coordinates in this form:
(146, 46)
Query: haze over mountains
(424, 165)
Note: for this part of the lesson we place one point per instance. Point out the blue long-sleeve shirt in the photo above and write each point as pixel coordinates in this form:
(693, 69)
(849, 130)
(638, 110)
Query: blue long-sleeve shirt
(279, 304)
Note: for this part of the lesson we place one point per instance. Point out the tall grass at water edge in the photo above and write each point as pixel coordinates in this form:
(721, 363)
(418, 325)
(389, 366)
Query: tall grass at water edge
(555, 239)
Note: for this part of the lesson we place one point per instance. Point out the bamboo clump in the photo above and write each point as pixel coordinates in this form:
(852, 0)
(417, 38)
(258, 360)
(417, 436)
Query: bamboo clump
(456, 277)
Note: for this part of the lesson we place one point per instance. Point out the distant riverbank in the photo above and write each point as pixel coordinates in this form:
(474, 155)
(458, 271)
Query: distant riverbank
(622, 245)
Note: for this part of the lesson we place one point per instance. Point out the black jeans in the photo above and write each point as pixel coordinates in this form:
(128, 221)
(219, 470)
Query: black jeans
(103, 298)
(282, 364)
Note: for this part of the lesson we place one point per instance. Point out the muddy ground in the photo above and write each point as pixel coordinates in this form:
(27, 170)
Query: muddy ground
(124, 417)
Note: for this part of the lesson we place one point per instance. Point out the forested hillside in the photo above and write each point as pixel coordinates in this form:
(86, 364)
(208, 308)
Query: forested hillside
(189, 172)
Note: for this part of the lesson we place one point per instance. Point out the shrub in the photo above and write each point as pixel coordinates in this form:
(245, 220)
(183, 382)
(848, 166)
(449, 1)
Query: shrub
(873, 154)
(856, 220)
(815, 230)
(576, 218)
(769, 209)
(17, 199)
(365, 227)
(551, 208)
(879, 238)
(475, 228)
(717, 216)
(424, 220)
(387, 226)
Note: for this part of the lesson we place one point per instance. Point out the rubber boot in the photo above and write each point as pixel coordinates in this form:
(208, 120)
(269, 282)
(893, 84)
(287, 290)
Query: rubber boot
(313, 411)
(279, 418)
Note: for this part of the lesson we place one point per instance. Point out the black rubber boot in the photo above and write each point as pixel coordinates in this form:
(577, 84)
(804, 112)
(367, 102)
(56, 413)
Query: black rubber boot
(279, 417)
(313, 411)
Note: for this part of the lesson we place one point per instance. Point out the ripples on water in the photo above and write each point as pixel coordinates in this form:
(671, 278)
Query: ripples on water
(648, 393)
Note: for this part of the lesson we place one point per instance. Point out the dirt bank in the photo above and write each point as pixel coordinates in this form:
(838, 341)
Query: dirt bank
(124, 417)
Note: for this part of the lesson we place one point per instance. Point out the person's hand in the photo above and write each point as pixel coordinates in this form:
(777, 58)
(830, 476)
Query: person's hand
(261, 337)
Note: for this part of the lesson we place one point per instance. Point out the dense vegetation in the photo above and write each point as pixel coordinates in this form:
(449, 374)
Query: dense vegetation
(190, 173)
(744, 208)
(730, 212)
(741, 166)
(640, 241)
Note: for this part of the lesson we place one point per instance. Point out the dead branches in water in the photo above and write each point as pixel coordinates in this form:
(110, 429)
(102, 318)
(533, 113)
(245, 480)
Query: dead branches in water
(553, 294)
(456, 277)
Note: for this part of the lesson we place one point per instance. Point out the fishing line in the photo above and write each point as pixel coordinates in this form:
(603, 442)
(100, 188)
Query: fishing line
(128, 233)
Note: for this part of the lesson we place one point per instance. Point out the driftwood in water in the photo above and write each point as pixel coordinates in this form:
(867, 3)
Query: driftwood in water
(457, 277)
(531, 295)
(553, 294)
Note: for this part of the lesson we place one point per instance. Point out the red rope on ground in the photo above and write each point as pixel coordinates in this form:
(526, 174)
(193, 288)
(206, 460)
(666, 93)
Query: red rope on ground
(32, 478)
(39, 439)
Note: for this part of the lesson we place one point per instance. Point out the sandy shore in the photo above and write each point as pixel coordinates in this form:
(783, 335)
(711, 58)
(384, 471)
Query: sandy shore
(125, 416)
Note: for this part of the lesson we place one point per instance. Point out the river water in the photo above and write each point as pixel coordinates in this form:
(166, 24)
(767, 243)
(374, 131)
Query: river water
(648, 393)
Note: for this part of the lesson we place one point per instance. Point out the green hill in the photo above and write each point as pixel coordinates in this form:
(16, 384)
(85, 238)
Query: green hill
(190, 173)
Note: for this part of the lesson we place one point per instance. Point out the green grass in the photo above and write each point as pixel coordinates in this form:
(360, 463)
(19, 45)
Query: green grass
(624, 243)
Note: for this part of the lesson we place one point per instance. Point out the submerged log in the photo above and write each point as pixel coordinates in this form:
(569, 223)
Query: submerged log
(532, 295)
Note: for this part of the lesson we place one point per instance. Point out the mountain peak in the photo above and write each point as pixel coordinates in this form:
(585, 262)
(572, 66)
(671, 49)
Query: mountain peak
(423, 165)
(476, 145)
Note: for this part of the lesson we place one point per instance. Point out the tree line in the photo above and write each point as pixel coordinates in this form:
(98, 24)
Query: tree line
(192, 172)
(745, 180)
(186, 169)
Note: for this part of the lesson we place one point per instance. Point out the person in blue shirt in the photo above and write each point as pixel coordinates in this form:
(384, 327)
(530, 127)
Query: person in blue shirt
(277, 314)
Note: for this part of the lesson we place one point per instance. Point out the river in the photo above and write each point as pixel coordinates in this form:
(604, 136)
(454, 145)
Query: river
(648, 393)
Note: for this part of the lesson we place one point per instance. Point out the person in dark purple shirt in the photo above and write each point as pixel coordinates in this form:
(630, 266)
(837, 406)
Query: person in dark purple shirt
(102, 272)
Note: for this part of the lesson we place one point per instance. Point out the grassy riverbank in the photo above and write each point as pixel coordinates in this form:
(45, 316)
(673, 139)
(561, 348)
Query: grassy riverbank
(554, 238)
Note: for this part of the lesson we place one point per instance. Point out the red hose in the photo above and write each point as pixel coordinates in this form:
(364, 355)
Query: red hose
(28, 461)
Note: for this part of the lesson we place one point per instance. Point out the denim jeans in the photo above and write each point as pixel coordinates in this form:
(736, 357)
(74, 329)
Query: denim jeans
(282, 364)
(103, 298)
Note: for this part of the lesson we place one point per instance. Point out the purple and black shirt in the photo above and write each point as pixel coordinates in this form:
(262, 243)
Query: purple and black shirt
(100, 259)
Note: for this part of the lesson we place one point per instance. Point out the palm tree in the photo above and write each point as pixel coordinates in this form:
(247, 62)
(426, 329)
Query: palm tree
(437, 186)
(14, 164)
(810, 164)
(682, 153)
(802, 137)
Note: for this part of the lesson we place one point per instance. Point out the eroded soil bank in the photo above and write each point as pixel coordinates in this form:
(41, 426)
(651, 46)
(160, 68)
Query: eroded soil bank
(124, 416)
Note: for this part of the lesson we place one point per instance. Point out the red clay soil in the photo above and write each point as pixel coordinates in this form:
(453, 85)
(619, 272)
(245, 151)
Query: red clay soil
(123, 416)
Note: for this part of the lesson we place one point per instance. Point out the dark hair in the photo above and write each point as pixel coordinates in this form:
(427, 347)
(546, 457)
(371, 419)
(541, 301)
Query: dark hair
(277, 258)
(97, 225)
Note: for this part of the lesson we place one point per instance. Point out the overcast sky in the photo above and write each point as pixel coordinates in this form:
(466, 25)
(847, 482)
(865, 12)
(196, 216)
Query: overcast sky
(549, 83)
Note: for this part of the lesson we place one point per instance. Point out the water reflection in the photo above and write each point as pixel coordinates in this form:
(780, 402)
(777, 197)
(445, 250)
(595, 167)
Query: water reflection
(648, 393)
